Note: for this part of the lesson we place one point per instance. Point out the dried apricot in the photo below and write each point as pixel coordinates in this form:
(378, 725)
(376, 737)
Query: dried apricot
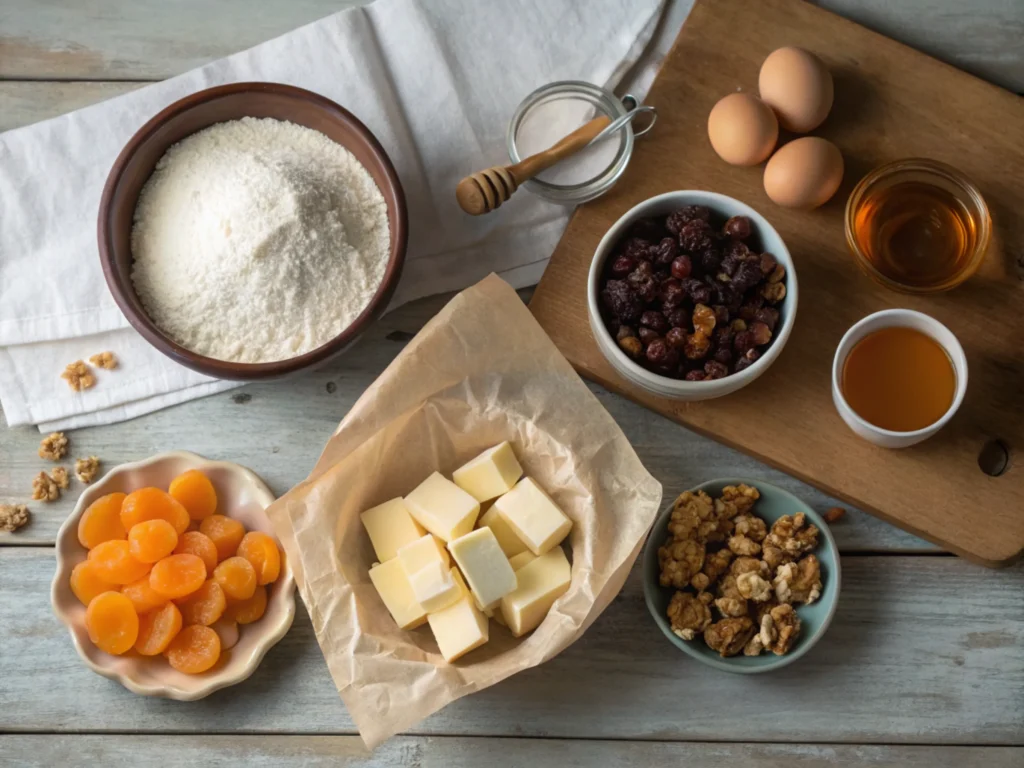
(248, 611)
(112, 622)
(101, 521)
(194, 650)
(177, 575)
(86, 582)
(195, 492)
(143, 596)
(262, 552)
(153, 504)
(205, 605)
(199, 544)
(114, 562)
(157, 629)
(225, 533)
(152, 540)
(236, 577)
(227, 631)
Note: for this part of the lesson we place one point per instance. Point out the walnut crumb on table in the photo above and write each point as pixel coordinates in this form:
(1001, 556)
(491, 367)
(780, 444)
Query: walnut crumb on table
(107, 360)
(12, 517)
(54, 446)
(87, 469)
(78, 376)
(60, 477)
(44, 488)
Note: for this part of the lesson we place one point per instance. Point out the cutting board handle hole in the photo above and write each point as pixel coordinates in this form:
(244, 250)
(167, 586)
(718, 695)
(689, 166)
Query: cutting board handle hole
(994, 458)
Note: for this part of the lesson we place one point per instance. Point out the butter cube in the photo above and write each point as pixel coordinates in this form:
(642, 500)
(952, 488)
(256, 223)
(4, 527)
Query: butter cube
(510, 543)
(484, 565)
(425, 550)
(459, 628)
(518, 561)
(444, 509)
(393, 587)
(541, 582)
(490, 474)
(390, 527)
(534, 517)
(434, 586)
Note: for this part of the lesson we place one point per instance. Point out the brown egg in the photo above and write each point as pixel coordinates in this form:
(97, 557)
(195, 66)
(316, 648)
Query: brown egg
(743, 129)
(804, 173)
(798, 86)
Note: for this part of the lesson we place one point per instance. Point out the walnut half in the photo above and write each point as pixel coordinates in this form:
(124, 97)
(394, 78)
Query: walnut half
(12, 517)
(44, 488)
(729, 636)
(54, 446)
(688, 615)
(87, 469)
(78, 376)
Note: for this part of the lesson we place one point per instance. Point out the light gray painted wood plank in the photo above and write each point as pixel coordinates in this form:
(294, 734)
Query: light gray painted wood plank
(923, 650)
(24, 103)
(151, 39)
(294, 418)
(445, 752)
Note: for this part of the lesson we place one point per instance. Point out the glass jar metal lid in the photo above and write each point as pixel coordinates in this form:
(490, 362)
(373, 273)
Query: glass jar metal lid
(555, 110)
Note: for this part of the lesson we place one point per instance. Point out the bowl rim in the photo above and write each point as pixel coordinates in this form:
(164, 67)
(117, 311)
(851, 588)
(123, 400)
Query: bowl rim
(894, 318)
(725, 664)
(120, 287)
(620, 360)
(63, 572)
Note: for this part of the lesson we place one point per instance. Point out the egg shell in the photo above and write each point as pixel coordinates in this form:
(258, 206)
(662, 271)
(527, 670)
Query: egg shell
(797, 85)
(804, 173)
(742, 129)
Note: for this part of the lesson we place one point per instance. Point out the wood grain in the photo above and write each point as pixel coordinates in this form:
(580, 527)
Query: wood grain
(922, 650)
(294, 418)
(890, 102)
(447, 752)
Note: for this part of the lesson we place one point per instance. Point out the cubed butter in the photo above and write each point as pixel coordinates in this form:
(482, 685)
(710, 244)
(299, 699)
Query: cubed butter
(490, 474)
(541, 582)
(393, 587)
(518, 561)
(510, 542)
(390, 527)
(434, 586)
(444, 509)
(425, 550)
(533, 516)
(459, 628)
(487, 571)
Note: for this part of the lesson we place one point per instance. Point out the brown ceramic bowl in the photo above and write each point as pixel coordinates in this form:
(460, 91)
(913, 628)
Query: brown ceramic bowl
(137, 160)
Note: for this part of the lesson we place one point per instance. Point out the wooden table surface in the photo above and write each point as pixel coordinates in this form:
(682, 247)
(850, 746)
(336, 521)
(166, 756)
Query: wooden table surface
(923, 665)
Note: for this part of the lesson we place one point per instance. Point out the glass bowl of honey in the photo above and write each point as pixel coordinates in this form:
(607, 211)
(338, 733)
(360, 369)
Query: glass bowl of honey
(917, 226)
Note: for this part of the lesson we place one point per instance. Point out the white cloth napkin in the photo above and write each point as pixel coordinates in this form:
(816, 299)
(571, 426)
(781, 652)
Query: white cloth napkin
(435, 81)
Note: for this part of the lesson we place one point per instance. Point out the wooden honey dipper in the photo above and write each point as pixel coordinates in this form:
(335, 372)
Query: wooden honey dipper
(484, 191)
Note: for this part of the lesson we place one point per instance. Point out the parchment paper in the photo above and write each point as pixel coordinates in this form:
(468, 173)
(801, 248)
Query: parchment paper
(480, 372)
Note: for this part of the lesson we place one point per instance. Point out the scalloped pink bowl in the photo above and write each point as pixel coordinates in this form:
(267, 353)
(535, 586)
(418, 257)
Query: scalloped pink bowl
(241, 495)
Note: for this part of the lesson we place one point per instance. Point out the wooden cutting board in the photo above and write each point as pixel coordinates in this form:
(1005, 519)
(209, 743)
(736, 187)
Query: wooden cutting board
(890, 102)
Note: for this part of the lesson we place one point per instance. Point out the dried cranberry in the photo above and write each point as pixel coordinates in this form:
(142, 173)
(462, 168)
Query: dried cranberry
(665, 251)
(768, 316)
(646, 288)
(715, 370)
(722, 355)
(748, 274)
(743, 341)
(710, 260)
(749, 358)
(696, 237)
(682, 267)
(647, 335)
(698, 292)
(654, 320)
(661, 354)
(734, 252)
(621, 301)
(676, 338)
(679, 317)
(768, 264)
(677, 220)
(694, 375)
(637, 248)
(622, 266)
(672, 294)
(625, 331)
(738, 228)
(760, 333)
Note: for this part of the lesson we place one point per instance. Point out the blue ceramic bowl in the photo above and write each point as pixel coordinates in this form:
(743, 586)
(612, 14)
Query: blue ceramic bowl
(773, 504)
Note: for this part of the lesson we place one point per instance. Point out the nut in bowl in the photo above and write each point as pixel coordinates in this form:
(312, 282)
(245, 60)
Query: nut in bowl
(741, 575)
(691, 295)
(213, 616)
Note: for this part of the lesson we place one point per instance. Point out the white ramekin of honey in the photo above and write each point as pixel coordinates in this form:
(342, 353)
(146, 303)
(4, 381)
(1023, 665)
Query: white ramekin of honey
(898, 377)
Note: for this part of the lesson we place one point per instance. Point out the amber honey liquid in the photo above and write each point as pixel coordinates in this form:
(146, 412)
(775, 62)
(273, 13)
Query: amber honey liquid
(915, 233)
(899, 379)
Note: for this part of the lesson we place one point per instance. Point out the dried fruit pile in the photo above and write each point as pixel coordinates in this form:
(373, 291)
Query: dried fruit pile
(718, 553)
(691, 298)
(167, 575)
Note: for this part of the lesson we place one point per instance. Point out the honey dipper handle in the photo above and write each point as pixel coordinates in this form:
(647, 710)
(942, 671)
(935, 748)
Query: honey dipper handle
(574, 142)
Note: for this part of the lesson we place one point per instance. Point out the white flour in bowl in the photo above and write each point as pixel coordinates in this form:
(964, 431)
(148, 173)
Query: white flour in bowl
(258, 240)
